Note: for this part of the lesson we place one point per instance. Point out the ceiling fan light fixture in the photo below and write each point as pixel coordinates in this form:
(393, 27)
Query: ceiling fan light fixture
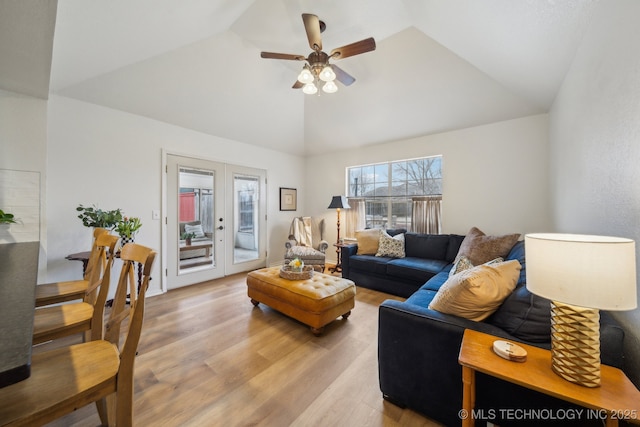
(305, 76)
(310, 89)
(330, 87)
(327, 74)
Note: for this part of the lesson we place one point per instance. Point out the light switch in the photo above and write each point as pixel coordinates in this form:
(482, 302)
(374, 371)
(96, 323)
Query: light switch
(155, 214)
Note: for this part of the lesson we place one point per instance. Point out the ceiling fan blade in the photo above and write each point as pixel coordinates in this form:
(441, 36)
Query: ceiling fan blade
(312, 26)
(288, 56)
(366, 45)
(297, 85)
(342, 76)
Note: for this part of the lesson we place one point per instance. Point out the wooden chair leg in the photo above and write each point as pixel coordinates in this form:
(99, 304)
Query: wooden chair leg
(112, 411)
(101, 406)
(124, 412)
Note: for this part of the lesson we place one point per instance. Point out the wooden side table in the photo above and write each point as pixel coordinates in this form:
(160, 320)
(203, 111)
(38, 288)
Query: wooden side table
(80, 256)
(338, 267)
(616, 398)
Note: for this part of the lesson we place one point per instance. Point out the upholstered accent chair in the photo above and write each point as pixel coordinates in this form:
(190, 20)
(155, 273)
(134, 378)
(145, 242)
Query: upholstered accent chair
(306, 242)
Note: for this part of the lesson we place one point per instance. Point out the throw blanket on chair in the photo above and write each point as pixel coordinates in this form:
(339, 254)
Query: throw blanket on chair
(301, 230)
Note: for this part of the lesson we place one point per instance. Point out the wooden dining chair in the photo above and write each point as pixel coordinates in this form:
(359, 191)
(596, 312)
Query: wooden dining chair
(57, 292)
(100, 371)
(87, 316)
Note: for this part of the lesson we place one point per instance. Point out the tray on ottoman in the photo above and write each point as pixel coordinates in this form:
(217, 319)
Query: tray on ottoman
(315, 302)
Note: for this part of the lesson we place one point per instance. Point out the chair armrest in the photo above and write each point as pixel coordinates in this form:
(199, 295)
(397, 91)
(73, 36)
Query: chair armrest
(290, 243)
(322, 247)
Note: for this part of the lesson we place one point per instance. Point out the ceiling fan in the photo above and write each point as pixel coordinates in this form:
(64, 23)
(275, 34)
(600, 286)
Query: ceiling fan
(317, 69)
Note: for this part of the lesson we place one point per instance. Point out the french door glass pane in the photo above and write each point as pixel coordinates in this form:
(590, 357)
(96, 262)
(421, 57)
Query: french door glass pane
(195, 219)
(246, 193)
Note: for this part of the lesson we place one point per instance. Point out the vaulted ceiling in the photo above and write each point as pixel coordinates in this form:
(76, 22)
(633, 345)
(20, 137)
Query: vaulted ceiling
(439, 64)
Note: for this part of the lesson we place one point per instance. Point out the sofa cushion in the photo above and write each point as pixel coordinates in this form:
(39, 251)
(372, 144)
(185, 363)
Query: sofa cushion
(430, 246)
(422, 297)
(415, 269)
(480, 248)
(436, 281)
(478, 292)
(369, 263)
(517, 252)
(455, 240)
(368, 241)
(525, 316)
(391, 246)
(395, 231)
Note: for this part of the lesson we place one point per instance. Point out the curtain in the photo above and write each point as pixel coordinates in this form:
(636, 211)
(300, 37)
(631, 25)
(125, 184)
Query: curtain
(354, 217)
(426, 214)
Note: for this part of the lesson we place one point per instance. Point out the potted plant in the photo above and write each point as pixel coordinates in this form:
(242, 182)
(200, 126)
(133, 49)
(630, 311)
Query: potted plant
(127, 229)
(92, 216)
(187, 238)
(6, 219)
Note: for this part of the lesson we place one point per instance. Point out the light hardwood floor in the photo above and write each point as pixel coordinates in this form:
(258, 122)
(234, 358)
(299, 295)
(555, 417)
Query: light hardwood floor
(207, 357)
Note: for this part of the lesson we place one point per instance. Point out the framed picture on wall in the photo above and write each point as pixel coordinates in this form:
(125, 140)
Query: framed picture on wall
(288, 199)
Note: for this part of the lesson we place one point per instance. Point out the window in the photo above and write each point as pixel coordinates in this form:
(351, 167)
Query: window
(388, 189)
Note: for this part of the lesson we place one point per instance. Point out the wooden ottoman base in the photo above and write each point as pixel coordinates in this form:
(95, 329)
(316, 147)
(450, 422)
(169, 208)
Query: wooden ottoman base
(315, 302)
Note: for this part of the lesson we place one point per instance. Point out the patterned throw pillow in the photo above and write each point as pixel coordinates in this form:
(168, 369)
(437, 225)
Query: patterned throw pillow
(391, 246)
(463, 263)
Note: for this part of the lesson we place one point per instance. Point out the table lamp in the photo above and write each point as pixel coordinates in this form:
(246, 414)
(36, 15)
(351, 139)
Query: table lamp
(338, 202)
(580, 274)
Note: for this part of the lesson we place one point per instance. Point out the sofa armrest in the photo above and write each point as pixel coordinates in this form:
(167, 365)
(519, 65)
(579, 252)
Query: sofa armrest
(418, 358)
(345, 252)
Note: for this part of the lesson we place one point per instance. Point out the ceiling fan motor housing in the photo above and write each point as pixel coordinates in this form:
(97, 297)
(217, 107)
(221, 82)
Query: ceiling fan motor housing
(317, 61)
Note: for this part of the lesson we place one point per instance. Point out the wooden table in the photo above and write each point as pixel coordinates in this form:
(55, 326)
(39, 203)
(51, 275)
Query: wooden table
(200, 245)
(616, 398)
(82, 257)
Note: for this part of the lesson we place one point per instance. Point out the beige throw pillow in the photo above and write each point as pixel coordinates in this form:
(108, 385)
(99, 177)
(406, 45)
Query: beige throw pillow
(480, 248)
(477, 293)
(368, 241)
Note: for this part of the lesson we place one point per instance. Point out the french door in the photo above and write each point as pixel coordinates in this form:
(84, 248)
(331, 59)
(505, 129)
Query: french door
(215, 220)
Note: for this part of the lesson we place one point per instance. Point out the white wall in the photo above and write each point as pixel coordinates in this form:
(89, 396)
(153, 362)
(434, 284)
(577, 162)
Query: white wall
(113, 159)
(23, 153)
(495, 177)
(595, 140)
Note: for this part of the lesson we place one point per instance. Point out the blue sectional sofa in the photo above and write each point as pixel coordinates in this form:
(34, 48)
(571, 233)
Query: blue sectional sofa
(425, 256)
(418, 347)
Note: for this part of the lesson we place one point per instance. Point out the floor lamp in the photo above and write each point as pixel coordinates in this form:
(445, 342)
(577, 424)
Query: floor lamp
(580, 274)
(337, 203)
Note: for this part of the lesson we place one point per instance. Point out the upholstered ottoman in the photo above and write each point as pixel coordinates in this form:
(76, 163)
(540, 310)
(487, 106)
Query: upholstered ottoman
(315, 302)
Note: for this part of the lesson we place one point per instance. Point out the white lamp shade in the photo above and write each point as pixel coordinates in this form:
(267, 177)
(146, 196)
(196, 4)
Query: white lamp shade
(327, 74)
(582, 270)
(309, 89)
(305, 76)
(330, 87)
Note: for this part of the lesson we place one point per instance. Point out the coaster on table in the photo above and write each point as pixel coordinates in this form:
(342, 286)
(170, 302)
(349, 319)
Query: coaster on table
(509, 351)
